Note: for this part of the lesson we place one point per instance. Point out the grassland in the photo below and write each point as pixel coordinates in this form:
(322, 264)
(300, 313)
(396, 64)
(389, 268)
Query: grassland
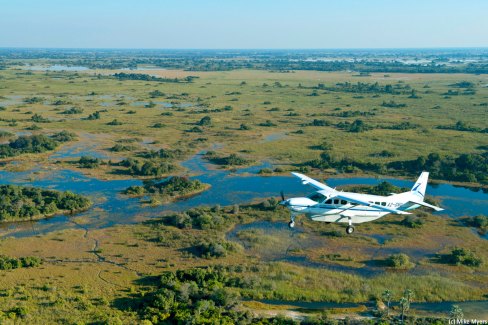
(286, 103)
(87, 273)
(84, 273)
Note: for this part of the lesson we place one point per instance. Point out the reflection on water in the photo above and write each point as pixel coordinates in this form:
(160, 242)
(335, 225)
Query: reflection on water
(226, 188)
(56, 67)
(471, 309)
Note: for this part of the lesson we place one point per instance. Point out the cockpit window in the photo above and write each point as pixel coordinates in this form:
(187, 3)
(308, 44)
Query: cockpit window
(317, 197)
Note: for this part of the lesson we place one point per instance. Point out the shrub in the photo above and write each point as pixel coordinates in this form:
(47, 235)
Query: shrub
(119, 148)
(88, 162)
(114, 122)
(205, 121)
(94, 116)
(478, 222)
(461, 256)
(73, 110)
(412, 222)
(231, 160)
(399, 261)
(214, 249)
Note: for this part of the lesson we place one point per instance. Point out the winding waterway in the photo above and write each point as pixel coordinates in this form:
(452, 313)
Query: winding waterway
(242, 186)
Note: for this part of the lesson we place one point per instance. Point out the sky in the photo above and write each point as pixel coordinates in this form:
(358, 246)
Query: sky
(243, 24)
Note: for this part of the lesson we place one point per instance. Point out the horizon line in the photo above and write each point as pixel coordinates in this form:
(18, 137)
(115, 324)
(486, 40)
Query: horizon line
(245, 49)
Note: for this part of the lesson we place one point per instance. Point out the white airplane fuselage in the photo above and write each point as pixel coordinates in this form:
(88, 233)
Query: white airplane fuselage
(342, 211)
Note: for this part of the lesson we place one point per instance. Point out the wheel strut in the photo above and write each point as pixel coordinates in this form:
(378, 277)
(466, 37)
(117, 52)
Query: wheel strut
(350, 228)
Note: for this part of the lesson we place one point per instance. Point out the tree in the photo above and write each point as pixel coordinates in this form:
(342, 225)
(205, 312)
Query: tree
(456, 312)
(387, 295)
(205, 121)
(405, 302)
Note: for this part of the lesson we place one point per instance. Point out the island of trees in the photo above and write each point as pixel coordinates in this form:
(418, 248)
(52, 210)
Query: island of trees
(19, 203)
(170, 189)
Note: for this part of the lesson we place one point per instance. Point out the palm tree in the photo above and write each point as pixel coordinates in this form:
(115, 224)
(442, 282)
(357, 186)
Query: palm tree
(386, 296)
(456, 312)
(405, 301)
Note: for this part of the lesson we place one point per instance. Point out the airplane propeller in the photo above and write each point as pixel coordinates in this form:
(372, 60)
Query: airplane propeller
(283, 201)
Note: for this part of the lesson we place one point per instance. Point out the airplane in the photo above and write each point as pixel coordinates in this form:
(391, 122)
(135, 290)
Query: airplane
(329, 205)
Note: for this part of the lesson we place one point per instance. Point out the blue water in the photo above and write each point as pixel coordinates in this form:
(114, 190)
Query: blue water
(471, 309)
(57, 67)
(227, 187)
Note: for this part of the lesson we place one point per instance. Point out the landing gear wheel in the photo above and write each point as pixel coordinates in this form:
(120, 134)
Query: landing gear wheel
(349, 230)
(291, 224)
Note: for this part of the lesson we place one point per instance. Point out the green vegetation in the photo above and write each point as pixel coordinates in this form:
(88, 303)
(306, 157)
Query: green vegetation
(195, 296)
(73, 110)
(393, 104)
(120, 148)
(146, 77)
(231, 160)
(462, 126)
(412, 222)
(199, 218)
(460, 256)
(172, 188)
(9, 263)
(152, 168)
(88, 162)
(33, 144)
(399, 261)
(480, 222)
(25, 203)
(465, 167)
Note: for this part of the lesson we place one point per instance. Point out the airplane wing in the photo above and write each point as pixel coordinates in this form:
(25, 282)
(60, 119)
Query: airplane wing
(339, 195)
(426, 205)
(310, 181)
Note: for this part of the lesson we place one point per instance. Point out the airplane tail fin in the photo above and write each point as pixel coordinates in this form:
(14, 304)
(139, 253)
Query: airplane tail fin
(420, 185)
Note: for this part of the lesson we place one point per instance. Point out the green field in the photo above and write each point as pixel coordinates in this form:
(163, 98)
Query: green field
(270, 133)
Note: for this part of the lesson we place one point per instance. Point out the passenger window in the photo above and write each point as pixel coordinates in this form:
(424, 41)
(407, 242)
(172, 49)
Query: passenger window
(383, 204)
(343, 202)
(329, 201)
(336, 201)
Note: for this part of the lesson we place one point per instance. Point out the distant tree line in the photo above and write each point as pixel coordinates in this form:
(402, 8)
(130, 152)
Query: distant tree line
(146, 77)
(464, 168)
(367, 88)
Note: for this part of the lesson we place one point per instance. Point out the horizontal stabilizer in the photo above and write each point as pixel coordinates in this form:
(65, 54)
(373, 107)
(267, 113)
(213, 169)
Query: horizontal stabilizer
(426, 205)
